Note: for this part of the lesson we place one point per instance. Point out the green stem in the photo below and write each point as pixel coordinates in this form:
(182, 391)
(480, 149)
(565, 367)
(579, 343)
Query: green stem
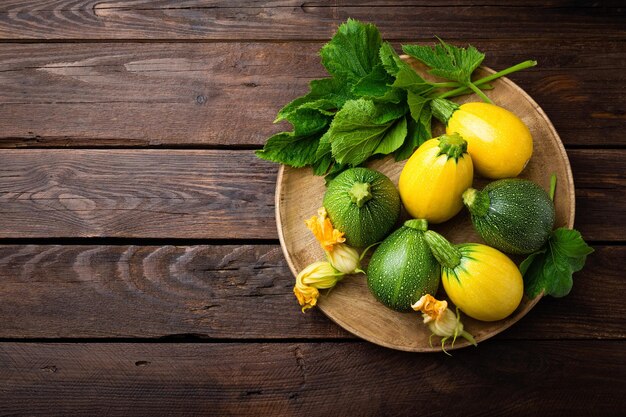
(468, 337)
(451, 84)
(360, 193)
(453, 146)
(367, 250)
(463, 90)
(417, 224)
(443, 109)
(444, 251)
(480, 93)
(552, 186)
(477, 202)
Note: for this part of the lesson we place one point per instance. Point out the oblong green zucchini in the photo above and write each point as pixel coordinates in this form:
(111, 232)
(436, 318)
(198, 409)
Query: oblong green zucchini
(403, 269)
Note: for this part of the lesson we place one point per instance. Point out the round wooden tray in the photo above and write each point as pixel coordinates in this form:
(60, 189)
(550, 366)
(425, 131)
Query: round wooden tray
(299, 194)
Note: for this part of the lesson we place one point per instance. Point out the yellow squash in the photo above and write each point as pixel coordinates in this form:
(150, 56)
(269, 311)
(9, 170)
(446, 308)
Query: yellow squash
(433, 179)
(500, 143)
(480, 280)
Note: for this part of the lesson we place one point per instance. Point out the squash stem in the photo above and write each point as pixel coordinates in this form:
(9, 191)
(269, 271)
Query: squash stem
(480, 93)
(464, 90)
(453, 145)
(417, 224)
(443, 109)
(444, 251)
(477, 202)
(360, 193)
(552, 186)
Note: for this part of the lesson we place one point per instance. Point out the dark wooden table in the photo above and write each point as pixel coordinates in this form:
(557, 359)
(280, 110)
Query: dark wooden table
(140, 270)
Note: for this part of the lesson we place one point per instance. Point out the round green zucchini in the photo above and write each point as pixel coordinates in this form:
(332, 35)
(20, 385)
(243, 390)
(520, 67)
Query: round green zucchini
(363, 204)
(513, 215)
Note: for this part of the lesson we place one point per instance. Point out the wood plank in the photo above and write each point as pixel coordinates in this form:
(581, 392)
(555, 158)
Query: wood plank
(121, 193)
(302, 21)
(600, 189)
(186, 94)
(558, 378)
(62, 5)
(233, 292)
(210, 194)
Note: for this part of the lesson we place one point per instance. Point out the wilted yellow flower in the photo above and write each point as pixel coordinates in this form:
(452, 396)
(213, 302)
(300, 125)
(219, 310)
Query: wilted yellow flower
(431, 308)
(344, 258)
(441, 320)
(318, 275)
(323, 230)
(307, 296)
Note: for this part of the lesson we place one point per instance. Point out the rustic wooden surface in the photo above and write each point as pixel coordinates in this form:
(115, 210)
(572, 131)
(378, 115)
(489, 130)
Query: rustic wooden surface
(140, 272)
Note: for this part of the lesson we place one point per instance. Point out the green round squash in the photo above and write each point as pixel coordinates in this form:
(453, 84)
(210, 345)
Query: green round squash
(403, 268)
(363, 204)
(513, 215)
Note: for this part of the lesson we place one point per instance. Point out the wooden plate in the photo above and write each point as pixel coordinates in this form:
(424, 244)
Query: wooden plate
(299, 194)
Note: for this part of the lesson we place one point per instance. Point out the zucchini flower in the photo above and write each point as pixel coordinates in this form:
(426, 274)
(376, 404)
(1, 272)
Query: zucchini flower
(317, 276)
(441, 320)
(342, 257)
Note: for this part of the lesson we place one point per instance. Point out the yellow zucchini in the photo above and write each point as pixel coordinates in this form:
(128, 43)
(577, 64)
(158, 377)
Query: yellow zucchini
(500, 143)
(433, 180)
(480, 280)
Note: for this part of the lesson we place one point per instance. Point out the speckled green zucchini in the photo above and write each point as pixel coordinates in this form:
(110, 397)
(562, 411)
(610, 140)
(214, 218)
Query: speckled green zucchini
(513, 215)
(402, 269)
(364, 204)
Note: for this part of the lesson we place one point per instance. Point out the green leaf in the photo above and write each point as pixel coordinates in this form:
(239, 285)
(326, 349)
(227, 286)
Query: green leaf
(290, 149)
(418, 105)
(335, 170)
(389, 58)
(327, 95)
(353, 52)
(405, 75)
(410, 80)
(362, 128)
(393, 139)
(297, 148)
(447, 61)
(418, 132)
(550, 269)
(323, 156)
(376, 84)
(418, 126)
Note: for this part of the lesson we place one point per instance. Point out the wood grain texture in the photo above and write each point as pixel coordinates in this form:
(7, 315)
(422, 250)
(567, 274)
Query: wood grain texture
(210, 194)
(233, 292)
(186, 94)
(240, 292)
(60, 5)
(553, 378)
(122, 193)
(297, 20)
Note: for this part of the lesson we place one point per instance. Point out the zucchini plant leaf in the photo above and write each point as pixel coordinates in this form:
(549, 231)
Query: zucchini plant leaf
(550, 269)
(326, 95)
(363, 128)
(353, 52)
(323, 156)
(299, 147)
(447, 61)
(418, 132)
(377, 85)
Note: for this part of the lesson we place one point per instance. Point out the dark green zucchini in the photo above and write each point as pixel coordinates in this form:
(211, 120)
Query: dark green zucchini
(403, 269)
(513, 215)
(363, 204)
